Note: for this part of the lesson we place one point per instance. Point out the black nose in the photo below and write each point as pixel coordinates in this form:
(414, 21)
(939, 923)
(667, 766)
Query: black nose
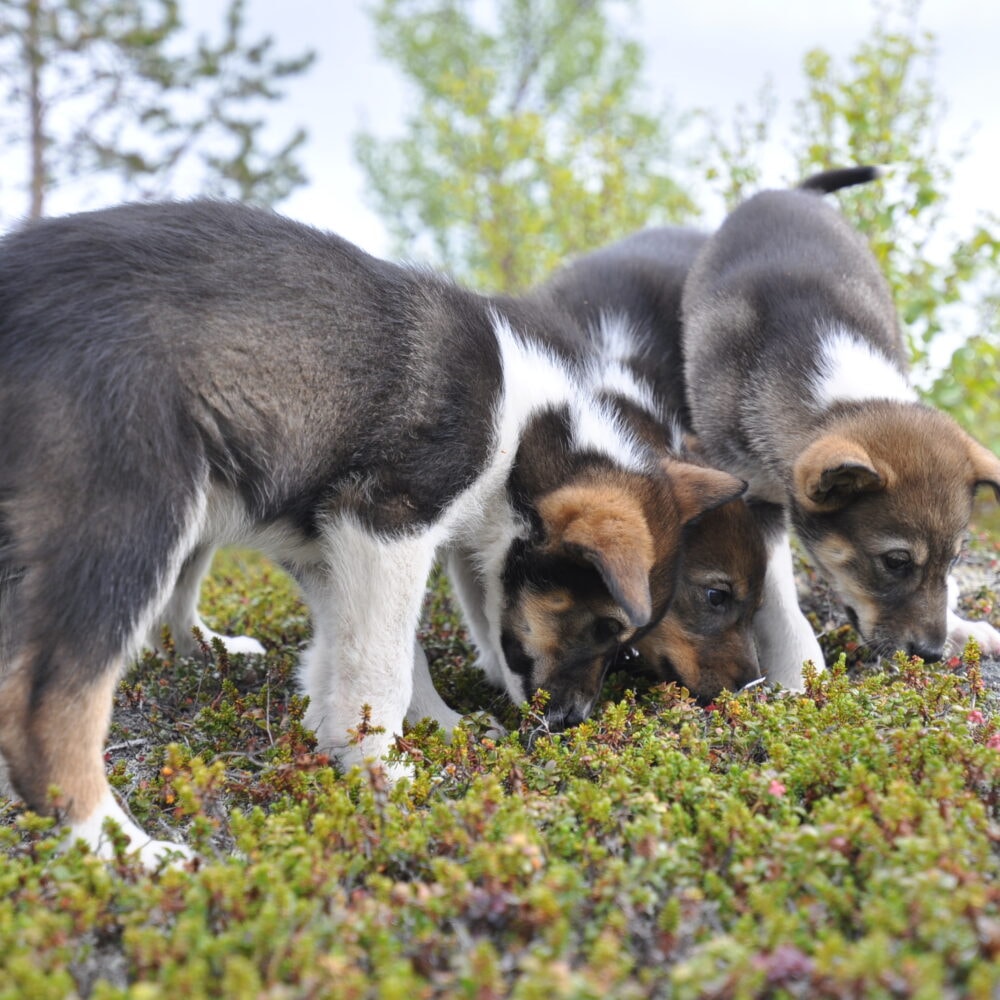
(929, 654)
(571, 717)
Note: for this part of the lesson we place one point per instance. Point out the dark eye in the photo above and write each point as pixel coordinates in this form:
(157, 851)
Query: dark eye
(717, 597)
(606, 629)
(897, 561)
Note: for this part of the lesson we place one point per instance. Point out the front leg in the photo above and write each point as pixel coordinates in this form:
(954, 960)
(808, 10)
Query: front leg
(425, 702)
(181, 613)
(782, 633)
(960, 630)
(470, 590)
(366, 608)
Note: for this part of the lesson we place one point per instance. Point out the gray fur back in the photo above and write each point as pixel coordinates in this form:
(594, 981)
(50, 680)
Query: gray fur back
(232, 342)
(784, 269)
(149, 352)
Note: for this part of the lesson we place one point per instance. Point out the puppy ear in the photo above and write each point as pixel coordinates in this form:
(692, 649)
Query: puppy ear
(832, 472)
(606, 526)
(986, 466)
(699, 489)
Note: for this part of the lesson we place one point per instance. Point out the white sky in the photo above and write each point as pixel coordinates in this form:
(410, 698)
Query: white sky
(710, 54)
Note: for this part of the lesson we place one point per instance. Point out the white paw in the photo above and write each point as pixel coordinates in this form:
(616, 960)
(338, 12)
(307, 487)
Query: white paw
(397, 770)
(153, 854)
(489, 726)
(960, 631)
(240, 644)
(156, 854)
(185, 645)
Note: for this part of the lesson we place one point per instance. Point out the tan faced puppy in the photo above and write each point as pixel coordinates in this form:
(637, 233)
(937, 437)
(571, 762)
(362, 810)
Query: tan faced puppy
(578, 600)
(882, 499)
(796, 377)
(628, 296)
(705, 642)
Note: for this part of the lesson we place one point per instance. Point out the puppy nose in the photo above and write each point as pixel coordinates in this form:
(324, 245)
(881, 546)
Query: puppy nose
(572, 717)
(929, 654)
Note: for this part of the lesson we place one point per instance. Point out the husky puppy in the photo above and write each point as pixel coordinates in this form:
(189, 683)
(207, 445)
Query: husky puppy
(796, 379)
(174, 377)
(627, 298)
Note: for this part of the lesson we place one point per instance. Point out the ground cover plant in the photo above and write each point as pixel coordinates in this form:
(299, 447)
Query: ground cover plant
(842, 843)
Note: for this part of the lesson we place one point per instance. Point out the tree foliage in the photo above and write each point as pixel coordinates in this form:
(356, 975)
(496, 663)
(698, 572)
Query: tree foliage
(118, 88)
(529, 139)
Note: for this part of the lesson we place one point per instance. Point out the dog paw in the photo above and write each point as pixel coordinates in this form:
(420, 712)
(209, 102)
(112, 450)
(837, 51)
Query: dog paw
(240, 644)
(185, 644)
(393, 771)
(784, 651)
(961, 630)
(98, 833)
(155, 855)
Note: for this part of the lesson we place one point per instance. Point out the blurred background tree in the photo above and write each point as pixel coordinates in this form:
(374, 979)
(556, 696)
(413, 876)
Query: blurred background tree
(119, 89)
(530, 139)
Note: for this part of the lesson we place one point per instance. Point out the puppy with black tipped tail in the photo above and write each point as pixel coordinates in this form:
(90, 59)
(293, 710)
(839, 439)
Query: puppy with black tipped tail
(176, 377)
(796, 379)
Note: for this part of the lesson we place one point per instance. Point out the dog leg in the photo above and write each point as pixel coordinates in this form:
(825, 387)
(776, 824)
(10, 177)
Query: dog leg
(366, 610)
(426, 703)
(468, 587)
(52, 736)
(782, 633)
(960, 630)
(181, 614)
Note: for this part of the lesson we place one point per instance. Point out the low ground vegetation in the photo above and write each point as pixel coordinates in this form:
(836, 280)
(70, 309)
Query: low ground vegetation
(843, 843)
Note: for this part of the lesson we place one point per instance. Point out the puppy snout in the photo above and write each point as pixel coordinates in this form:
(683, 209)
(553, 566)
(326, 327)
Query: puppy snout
(568, 717)
(928, 652)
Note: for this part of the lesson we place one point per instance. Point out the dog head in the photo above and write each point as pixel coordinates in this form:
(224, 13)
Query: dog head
(599, 569)
(705, 640)
(882, 501)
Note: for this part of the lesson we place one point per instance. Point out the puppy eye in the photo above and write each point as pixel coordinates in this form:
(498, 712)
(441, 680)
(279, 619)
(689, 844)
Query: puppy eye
(606, 629)
(897, 560)
(717, 597)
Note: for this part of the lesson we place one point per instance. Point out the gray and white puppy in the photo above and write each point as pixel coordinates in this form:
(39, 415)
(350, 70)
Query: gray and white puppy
(176, 377)
(796, 379)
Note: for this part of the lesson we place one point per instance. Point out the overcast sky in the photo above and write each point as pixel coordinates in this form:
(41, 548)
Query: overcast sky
(711, 54)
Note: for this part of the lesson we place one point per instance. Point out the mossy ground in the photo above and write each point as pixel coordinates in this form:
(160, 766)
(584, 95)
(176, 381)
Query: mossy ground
(839, 844)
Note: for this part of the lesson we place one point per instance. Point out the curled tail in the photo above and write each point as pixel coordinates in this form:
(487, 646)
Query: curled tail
(833, 180)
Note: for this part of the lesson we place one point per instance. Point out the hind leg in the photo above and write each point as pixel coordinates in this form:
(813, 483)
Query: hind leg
(52, 733)
(181, 613)
(98, 570)
(425, 702)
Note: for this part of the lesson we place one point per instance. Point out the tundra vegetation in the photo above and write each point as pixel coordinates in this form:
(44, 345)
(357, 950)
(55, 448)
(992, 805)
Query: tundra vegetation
(841, 843)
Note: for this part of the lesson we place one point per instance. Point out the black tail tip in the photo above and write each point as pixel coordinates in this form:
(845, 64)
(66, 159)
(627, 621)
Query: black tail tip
(833, 180)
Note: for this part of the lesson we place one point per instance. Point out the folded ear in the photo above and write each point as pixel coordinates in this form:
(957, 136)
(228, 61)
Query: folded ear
(605, 525)
(986, 466)
(833, 472)
(699, 489)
